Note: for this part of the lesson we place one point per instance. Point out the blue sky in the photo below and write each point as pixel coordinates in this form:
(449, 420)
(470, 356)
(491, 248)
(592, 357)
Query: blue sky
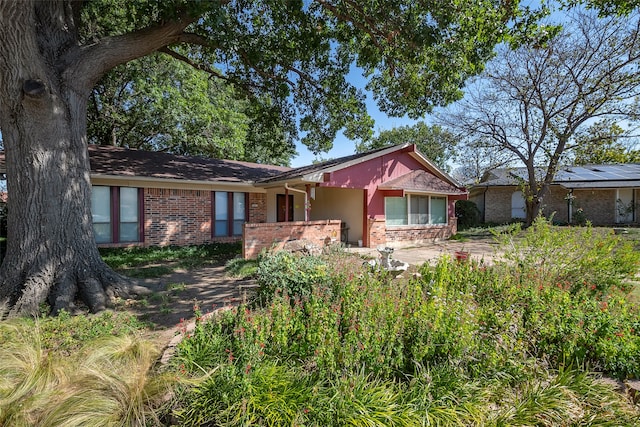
(343, 146)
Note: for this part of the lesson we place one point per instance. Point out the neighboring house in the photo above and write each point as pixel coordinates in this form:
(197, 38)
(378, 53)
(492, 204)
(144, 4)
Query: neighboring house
(388, 196)
(602, 194)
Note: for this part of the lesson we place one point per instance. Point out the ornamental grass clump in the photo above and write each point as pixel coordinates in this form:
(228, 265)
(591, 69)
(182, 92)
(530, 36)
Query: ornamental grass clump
(106, 380)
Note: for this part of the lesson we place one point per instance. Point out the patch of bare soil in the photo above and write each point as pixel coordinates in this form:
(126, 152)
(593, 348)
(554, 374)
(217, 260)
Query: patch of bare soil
(173, 298)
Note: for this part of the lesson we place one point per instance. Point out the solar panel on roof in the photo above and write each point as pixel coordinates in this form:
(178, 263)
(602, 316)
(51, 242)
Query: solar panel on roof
(601, 173)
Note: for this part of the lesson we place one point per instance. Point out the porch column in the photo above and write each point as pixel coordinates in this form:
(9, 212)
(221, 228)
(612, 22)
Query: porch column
(286, 204)
(365, 218)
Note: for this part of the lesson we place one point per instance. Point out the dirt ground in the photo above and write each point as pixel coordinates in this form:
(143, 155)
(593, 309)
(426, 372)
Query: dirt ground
(173, 298)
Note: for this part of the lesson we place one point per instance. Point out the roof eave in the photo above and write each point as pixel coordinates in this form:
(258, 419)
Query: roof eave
(171, 180)
(415, 191)
(318, 175)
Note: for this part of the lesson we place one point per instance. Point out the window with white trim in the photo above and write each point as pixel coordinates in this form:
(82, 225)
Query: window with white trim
(415, 209)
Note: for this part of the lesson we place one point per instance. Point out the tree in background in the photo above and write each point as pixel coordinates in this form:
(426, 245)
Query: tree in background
(475, 159)
(290, 58)
(435, 143)
(159, 104)
(602, 143)
(531, 101)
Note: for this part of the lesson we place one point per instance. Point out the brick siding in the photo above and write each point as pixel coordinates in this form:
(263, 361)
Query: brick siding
(274, 235)
(257, 207)
(380, 234)
(377, 232)
(497, 204)
(555, 203)
(599, 205)
(176, 217)
(420, 234)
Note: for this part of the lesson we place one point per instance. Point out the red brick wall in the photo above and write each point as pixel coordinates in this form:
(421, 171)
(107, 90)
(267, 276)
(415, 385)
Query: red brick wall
(183, 217)
(176, 217)
(421, 234)
(257, 207)
(377, 233)
(261, 236)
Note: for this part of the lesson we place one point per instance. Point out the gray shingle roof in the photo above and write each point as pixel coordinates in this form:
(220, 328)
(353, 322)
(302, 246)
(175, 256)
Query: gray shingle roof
(116, 161)
(420, 180)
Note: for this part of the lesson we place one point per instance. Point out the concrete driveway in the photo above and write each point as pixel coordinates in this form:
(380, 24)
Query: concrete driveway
(480, 249)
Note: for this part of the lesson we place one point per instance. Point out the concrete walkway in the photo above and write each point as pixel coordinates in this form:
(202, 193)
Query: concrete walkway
(481, 249)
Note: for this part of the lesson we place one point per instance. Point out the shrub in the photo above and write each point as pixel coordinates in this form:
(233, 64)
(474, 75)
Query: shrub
(465, 344)
(288, 273)
(468, 214)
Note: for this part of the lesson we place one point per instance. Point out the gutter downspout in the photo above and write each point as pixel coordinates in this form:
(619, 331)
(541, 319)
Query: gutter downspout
(306, 200)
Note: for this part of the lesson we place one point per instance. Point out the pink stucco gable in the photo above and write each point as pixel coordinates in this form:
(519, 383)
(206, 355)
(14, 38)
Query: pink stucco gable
(371, 174)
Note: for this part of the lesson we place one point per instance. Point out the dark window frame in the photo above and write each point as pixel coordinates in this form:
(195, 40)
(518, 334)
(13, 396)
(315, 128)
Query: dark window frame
(114, 212)
(230, 220)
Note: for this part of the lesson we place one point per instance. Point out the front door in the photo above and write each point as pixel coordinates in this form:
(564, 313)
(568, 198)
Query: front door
(284, 205)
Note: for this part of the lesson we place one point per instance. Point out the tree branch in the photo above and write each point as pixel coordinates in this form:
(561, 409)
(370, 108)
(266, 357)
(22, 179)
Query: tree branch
(172, 53)
(85, 65)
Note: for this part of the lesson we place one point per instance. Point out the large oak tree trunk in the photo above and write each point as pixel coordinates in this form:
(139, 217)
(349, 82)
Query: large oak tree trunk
(52, 257)
(51, 251)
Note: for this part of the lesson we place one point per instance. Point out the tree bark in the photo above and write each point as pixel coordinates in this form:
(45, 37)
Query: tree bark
(52, 257)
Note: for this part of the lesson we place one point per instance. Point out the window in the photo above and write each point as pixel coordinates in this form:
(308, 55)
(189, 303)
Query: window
(438, 210)
(395, 210)
(221, 213)
(116, 214)
(239, 212)
(518, 206)
(415, 210)
(229, 213)
(419, 206)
